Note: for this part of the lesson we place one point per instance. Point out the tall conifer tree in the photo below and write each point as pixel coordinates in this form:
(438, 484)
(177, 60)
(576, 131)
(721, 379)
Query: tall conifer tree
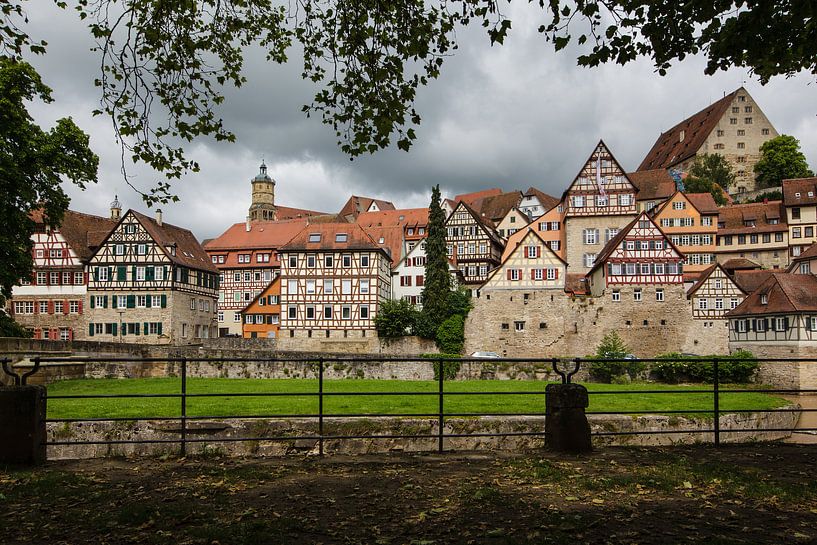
(437, 280)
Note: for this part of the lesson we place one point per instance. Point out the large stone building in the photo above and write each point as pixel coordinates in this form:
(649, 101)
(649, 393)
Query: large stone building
(734, 127)
(151, 282)
(598, 204)
(51, 304)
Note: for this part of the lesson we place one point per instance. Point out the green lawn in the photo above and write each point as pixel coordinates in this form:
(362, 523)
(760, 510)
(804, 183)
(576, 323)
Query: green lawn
(392, 404)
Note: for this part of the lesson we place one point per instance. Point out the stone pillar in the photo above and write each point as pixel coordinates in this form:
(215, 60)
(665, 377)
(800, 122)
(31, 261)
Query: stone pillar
(566, 426)
(22, 425)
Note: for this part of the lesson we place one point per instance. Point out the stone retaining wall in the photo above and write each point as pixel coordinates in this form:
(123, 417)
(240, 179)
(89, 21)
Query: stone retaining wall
(205, 434)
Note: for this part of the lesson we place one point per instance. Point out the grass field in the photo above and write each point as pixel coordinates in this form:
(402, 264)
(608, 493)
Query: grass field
(489, 402)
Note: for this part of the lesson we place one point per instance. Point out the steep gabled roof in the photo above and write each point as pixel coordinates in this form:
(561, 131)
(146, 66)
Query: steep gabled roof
(670, 149)
(705, 274)
(390, 238)
(655, 184)
(473, 199)
(189, 252)
(528, 232)
(740, 264)
(800, 191)
(487, 225)
(704, 202)
(261, 293)
(784, 292)
(547, 201)
(498, 206)
(606, 149)
(83, 232)
(357, 205)
(808, 253)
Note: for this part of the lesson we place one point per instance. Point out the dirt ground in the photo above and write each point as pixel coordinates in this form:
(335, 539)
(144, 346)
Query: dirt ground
(765, 493)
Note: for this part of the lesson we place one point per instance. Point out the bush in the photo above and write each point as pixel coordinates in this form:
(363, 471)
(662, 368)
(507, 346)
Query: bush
(451, 335)
(396, 318)
(620, 372)
(739, 367)
(10, 328)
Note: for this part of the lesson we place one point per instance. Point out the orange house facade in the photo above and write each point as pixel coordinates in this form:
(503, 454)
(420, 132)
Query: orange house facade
(690, 221)
(262, 317)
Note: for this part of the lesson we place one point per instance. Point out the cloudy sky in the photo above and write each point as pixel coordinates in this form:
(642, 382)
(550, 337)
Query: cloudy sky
(509, 117)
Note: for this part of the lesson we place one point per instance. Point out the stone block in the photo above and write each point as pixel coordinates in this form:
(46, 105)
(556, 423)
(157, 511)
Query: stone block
(22, 432)
(566, 426)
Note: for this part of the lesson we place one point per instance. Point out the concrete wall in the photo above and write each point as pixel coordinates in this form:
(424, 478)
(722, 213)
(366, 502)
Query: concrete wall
(559, 325)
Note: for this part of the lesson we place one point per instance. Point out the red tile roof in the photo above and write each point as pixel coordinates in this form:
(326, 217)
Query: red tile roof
(749, 281)
(324, 236)
(390, 239)
(287, 213)
(189, 252)
(704, 202)
(653, 184)
(732, 218)
(740, 264)
(406, 217)
(262, 235)
(808, 253)
(498, 206)
(576, 284)
(547, 201)
(669, 149)
(785, 293)
(357, 205)
(801, 187)
(471, 198)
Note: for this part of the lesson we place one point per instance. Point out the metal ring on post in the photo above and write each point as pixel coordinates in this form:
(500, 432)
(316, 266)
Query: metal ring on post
(566, 375)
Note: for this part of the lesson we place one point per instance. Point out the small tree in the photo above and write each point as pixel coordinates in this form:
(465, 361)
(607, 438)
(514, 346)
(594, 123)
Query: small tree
(395, 318)
(710, 173)
(780, 159)
(451, 335)
(437, 279)
(10, 328)
(611, 346)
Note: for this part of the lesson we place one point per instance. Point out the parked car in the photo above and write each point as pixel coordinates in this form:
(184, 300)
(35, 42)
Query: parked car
(486, 355)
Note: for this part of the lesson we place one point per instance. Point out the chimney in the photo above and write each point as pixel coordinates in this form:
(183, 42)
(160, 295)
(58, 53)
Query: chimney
(247, 224)
(159, 216)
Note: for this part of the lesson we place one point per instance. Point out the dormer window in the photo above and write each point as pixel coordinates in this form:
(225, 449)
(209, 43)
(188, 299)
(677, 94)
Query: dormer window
(381, 240)
(797, 195)
(340, 237)
(764, 299)
(314, 237)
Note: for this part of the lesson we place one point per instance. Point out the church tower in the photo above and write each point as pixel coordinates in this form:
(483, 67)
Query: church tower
(263, 197)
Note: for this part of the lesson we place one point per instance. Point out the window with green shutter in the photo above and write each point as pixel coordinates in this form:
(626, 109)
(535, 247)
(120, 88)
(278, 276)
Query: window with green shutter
(121, 275)
(164, 301)
(104, 301)
(159, 328)
(131, 301)
(92, 301)
(146, 328)
(91, 327)
(113, 329)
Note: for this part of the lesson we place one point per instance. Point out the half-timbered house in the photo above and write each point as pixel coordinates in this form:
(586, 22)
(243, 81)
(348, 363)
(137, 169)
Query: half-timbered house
(637, 257)
(530, 265)
(714, 294)
(549, 226)
(246, 256)
(262, 317)
(334, 277)
(598, 204)
(534, 203)
(783, 310)
(151, 282)
(408, 276)
(51, 303)
(690, 220)
(473, 244)
(515, 220)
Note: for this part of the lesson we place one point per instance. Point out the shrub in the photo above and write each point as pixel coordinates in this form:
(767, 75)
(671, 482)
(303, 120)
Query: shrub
(611, 346)
(739, 367)
(451, 335)
(395, 318)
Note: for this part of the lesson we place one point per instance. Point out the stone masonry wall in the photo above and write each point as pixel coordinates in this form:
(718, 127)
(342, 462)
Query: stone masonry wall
(782, 374)
(558, 325)
(574, 237)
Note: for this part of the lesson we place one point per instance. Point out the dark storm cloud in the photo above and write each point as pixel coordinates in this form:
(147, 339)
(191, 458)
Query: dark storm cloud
(509, 116)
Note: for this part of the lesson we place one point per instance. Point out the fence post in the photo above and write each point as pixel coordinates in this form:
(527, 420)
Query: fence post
(184, 408)
(441, 418)
(716, 396)
(320, 406)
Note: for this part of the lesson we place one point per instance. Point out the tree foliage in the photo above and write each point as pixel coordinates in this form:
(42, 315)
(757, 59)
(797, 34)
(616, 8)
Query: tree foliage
(773, 195)
(437, 284)
(710, 173)
(10, 328)
(451, 335)
(165, 65)
(780, 159)
(395, 318)
(32, 164)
